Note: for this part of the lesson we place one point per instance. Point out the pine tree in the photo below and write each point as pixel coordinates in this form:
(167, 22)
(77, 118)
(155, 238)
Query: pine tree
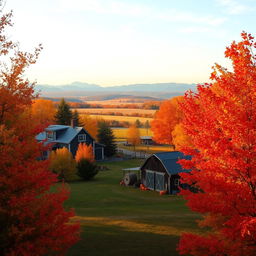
(64, 114)
(76, 118)
(106, 137)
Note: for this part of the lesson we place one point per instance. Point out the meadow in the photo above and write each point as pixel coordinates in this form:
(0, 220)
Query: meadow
(118, 220)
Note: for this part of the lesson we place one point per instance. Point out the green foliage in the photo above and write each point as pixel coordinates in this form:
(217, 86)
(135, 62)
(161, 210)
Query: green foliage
(106, 137)
(64, 114)
(76, 118)
(86, 169)
(138, 123)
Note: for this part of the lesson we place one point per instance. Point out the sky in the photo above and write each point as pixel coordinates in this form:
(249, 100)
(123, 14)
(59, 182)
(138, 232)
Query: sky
(118, 42)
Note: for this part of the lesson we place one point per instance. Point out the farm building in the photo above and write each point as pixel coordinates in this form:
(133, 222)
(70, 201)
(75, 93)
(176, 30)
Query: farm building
(146, 140)
(161, 171)
(59, 136)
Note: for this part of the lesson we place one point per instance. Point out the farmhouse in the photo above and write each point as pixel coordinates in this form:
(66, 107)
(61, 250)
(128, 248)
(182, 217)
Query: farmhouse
(161, 171)
(59, 136)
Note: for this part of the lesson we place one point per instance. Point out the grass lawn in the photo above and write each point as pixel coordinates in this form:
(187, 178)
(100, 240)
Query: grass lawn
(118, 220)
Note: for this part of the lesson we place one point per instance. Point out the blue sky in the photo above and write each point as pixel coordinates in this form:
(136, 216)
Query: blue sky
(116, 42)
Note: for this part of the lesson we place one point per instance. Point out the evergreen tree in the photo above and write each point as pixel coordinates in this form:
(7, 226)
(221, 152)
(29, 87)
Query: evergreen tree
(106, 137)
(76, 118)
(64, 114)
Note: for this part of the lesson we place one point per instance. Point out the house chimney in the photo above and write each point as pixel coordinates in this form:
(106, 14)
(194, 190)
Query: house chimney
(73, 123)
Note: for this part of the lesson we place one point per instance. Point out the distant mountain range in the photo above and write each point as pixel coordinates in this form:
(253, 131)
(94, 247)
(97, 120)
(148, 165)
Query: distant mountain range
(85, 90)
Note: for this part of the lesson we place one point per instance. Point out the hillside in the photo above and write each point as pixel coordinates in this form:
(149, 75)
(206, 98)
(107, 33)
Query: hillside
(92, 91)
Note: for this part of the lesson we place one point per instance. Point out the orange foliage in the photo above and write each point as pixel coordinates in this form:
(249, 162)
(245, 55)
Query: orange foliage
(33, 218)
(180, 138)
(90, 125)
(220, 119)
(43, 112)
(168, 116)
(133, 135)
(84, 151)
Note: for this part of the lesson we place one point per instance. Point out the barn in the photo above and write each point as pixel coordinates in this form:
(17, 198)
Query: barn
(161, 171)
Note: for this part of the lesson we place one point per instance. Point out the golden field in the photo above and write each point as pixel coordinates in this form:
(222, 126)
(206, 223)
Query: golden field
(130, 119)
(121, 133)
(124, 111)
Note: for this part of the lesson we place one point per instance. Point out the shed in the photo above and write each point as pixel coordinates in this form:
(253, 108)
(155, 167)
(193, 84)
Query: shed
(146, 140)
(161, 171)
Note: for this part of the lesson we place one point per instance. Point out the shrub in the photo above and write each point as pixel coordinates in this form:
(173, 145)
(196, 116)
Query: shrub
(86, 169)
(63, 164)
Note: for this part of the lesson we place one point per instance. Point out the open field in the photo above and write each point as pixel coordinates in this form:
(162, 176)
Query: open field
(124, 111)
(117, 220)
(130, 119)
(121, 133)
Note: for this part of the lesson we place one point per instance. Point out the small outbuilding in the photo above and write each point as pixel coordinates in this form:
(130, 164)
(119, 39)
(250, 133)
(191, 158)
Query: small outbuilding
(146, 140)
(160, 171)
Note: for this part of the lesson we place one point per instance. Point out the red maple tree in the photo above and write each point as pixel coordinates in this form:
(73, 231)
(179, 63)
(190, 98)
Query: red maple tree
(220, 118)
(32, 218)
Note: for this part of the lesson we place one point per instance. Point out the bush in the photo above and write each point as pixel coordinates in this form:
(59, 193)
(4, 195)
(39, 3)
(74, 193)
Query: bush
(63, 164)
(86, 169)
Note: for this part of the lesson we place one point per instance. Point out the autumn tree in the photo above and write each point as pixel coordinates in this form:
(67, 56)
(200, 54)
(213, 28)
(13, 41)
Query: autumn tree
(32, 217)
(90, 125)
(63, 164)
(165, 120)
(84, 151)
(86, 166)
(64, 114)
(133, 135)
(220, 119)
(43, 112)
(107, 138)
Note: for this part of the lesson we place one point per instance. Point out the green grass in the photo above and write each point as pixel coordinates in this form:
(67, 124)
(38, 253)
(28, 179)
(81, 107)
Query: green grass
(118, 220)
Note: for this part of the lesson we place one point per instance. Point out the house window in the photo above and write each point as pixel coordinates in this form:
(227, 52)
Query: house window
(81, 137)
(177, 182)
(50, 135)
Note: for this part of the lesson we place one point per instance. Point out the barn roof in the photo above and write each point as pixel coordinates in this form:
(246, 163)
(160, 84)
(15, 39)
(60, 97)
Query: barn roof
(169, 161)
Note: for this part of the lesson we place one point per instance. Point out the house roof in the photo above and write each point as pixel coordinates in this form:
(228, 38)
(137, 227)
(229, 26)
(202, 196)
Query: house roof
(146, 137)
(56, 127)
(169, 161)
(65, 137)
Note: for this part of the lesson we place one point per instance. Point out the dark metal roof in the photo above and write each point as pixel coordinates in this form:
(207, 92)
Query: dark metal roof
(169, 161)
(66, 137)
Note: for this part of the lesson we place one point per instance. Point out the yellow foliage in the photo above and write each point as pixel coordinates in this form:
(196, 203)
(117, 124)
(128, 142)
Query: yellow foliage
(63, 164)
(179, 138)
(133, 135)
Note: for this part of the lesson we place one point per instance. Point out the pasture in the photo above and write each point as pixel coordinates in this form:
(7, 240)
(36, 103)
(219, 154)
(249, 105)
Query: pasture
(117, 220)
